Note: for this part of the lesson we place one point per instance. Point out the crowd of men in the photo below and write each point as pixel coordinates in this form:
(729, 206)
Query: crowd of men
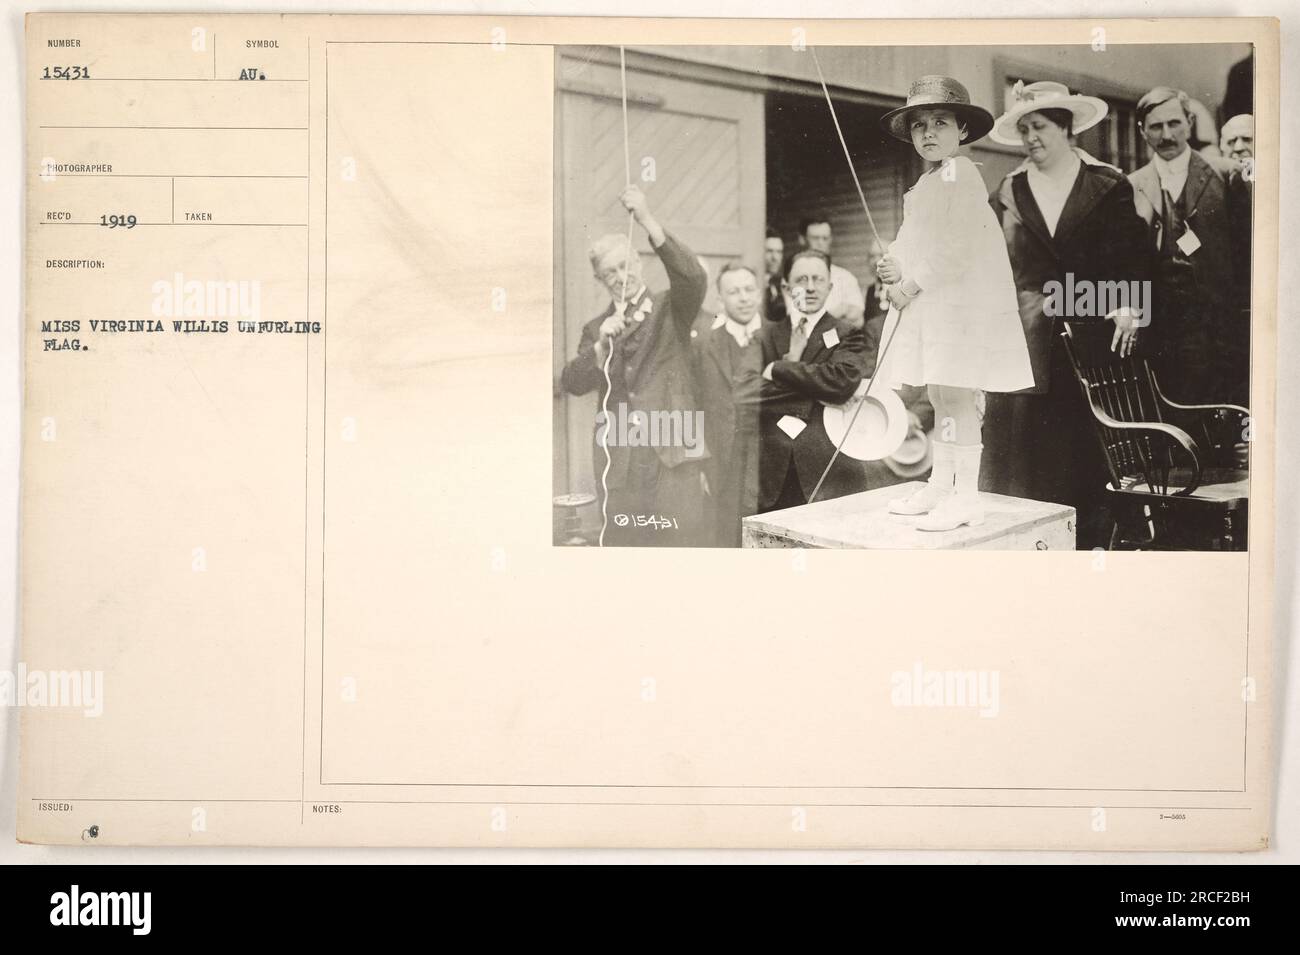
(804, 334)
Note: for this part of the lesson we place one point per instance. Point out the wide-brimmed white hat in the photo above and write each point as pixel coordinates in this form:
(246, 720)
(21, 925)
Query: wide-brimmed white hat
(1086, 111)
(878, 430)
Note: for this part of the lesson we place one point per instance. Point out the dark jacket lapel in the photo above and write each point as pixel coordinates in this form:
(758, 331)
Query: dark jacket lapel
(1087, 192)
(1199, 175)
(1147, 182)
(781, 338)
(816, 342)
(1025, 208)
(720, 351)
(644, 331)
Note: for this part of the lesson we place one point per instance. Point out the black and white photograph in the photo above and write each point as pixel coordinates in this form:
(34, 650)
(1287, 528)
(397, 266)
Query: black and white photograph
(980, 297)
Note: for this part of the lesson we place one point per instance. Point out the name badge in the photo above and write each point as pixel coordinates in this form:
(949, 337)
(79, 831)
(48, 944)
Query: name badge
(791, 425)
(1188, 243)
(831, 339)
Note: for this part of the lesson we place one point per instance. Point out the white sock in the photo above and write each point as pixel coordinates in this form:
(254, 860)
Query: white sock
(943, 472)
(967, 468)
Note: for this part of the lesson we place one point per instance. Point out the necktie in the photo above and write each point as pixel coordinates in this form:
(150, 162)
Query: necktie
(1172, 222)
(798, 338)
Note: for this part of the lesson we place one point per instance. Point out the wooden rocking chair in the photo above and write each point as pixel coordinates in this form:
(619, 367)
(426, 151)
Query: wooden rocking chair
(1178, 473)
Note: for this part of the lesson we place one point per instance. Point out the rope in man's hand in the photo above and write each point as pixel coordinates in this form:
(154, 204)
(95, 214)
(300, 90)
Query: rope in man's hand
(622, 309)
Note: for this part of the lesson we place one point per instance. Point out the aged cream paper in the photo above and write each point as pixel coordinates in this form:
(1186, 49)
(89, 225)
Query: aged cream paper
(309, 551)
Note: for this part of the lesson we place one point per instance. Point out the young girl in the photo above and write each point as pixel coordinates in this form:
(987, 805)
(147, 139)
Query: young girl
(953, 315)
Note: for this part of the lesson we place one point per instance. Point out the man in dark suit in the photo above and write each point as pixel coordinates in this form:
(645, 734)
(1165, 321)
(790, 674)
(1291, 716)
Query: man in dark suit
(1197, 210)
(728, 361)
(810, 359)
(651, 432)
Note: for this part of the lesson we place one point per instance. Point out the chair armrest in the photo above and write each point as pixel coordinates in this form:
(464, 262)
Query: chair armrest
(1224, 439)
(1244, 412)
(1173, 432)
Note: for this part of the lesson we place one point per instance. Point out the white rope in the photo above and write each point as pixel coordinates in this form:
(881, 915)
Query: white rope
(622, 307)
(880, 354)
(845, 146)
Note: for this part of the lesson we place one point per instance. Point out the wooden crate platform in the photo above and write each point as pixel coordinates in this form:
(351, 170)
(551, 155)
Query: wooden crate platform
(861, 521)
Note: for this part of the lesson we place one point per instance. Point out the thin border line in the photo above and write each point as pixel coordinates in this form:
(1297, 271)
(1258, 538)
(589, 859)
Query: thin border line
(192, 79)
(325, 397)
(206, 129)
(760, 805)
(150, 175)
(1031, 789)
(239, 225)
(306, 462)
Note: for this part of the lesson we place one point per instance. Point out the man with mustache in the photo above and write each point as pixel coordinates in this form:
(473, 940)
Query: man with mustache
(1198, 212)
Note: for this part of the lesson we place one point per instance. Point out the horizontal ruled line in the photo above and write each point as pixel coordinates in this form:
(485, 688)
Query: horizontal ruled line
(168, 175)
(738, 805)
(427, 43)
(136, 799)
(265, 128)
(172, 79)
(1045, 789)
(122, 228)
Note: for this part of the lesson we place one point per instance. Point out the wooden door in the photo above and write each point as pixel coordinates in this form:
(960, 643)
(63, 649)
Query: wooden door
(698, 152)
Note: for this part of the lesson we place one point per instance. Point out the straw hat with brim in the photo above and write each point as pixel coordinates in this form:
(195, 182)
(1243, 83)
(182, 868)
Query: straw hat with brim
(878, 430)
(914, 456)
(938, 91)
(1085, 111)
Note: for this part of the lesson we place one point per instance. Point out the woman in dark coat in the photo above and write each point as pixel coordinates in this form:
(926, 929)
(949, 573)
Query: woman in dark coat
(1066, 218)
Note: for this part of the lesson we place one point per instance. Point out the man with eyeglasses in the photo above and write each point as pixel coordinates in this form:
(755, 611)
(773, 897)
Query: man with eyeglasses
(846, 299)
(809, 359)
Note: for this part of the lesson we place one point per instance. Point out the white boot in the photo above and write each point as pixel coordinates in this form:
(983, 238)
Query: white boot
(963, 506)
(938, 488)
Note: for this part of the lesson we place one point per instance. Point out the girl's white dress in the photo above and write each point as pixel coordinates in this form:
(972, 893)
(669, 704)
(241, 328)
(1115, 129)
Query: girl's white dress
(963, 329)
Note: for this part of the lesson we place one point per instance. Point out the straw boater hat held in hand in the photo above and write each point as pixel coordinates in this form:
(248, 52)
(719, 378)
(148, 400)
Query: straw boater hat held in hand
(1085, 111)
(873, 431)
(938, 91)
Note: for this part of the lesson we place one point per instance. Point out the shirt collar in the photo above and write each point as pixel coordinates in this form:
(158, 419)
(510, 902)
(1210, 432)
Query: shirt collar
(742, 333)
(1082, 155)
(1065, 180)
(812, 319)
(1174, 167)
(637, 307)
